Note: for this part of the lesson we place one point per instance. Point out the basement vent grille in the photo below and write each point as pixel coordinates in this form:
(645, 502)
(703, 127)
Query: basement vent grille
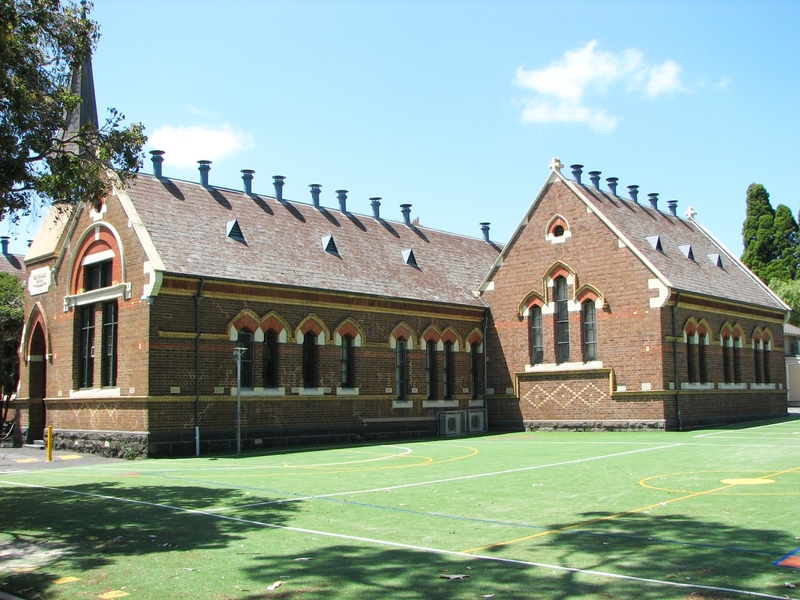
(716, 259)
(410, 259)
(329, 246)
(687, 251)
(655, 242)
(235, 232)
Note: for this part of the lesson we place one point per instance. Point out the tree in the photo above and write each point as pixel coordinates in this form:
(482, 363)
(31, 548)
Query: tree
(11, 314)
(789, 292)
(758, 231)
(47, 154)
(784, 264)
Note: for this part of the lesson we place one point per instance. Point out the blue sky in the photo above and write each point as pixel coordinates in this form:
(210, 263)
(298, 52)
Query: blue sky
(458, 107)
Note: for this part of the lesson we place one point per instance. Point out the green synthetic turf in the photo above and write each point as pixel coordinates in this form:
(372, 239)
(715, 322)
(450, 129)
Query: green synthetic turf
(528, 515)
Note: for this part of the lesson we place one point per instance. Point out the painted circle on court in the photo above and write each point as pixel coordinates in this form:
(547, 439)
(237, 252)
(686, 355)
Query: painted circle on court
(730, 482)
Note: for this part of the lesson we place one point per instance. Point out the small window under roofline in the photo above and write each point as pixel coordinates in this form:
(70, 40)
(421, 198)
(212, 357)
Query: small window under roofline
(410, 259)
(716, 259)
(235, 231)
(687, 251)
(329, 245)
(655, 242)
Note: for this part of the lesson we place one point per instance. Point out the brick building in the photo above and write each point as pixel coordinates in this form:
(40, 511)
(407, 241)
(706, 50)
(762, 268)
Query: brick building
(606, 312)
(599, 312)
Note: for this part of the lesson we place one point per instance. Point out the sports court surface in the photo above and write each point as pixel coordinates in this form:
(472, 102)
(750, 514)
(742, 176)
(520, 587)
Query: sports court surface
(702, 514)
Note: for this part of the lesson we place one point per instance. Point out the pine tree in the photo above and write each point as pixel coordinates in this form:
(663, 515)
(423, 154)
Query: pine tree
(758, 232)
(784, 265)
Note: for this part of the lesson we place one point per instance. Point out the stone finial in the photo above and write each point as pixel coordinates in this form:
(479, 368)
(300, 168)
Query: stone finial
(691, 213)
(556, 165)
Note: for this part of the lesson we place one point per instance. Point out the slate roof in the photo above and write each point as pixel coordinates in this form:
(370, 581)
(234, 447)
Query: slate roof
(189, 226)
(701, 275)
(13, 265)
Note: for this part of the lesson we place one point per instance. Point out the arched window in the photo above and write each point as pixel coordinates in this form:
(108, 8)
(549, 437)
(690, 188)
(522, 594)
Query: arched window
(108, 360)
(758, 359)
(767, 345)
(401, 369)
(430, 368)
(245, 340)
(474, 370)
(536, 335)
(346, 362)
(562, 321)
(86, 347)
(702, 339)
(589, 331)
(270, 359)
(447, 371)
(310, 360)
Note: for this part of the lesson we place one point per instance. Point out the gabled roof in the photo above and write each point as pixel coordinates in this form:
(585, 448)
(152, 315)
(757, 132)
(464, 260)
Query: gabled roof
(188, 222)
(660, 240)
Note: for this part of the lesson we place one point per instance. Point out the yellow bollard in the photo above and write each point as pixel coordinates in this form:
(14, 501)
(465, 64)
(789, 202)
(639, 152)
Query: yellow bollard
(49, 443)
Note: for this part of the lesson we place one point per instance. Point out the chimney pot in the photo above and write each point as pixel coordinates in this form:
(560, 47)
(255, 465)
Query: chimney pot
(277, 181)
(157, 156)
(612, 184)
(315, 191)
(341, 195)
(376, 207)
(576, 172)
(673, 207)
(247, 178)
(204, 168)
(406, 210)
(633, 190)
(653, 200)
(485, 230)
(594, 177)
(4, 241)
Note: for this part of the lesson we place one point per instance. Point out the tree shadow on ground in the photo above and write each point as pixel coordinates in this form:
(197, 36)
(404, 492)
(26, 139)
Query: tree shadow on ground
(89, 526)
(674, 549)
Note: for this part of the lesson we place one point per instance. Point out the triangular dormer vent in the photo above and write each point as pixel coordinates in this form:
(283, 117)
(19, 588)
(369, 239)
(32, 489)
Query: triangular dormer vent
(235, 232)
(410, 259)
(687, 251)
(655, 242)
(329, 246)
(716, 259)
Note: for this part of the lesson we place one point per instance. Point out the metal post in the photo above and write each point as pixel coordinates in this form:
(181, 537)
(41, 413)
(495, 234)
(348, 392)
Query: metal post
(237, 353)
(49, 443)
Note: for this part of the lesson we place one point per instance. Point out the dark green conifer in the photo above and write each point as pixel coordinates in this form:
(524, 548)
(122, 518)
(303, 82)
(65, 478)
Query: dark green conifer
(758, 232)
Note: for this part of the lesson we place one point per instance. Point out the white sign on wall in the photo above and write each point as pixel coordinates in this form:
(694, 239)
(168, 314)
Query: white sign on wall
(39, 281)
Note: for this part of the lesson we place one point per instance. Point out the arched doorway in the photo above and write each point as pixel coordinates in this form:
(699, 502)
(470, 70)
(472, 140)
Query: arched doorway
(37, 384)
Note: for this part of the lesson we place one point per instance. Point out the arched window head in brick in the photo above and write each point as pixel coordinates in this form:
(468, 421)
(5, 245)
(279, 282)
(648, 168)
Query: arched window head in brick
(350, 328)
(245, 320)
(696, 335)
(767, 339)
(276, 323)
(756, 337)
(589, 293)
(556, 270)
(312, 324)
(402, 332)
(37, 318)
(98, 262)
(475, 340)
(451, 336)
(690, 330)
(557, 230)
(531, 299)
(432, 334)
(704, 332)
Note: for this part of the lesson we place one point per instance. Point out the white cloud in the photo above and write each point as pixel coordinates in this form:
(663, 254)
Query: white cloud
(724, 83)
(564, 84)
(663, 79)
(186, 145)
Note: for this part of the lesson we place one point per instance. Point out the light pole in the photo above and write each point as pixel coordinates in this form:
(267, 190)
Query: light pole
(237, 355)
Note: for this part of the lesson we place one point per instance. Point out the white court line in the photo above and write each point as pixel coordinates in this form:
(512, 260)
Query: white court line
(449, 479)
(440, 551)
(742, 430)
(352, 462)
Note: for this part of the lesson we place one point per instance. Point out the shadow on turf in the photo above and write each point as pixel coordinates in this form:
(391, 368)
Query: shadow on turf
(82, 531)
(669, 548)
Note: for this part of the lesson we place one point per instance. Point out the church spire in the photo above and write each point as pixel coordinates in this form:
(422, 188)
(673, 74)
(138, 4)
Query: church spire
(85, 113)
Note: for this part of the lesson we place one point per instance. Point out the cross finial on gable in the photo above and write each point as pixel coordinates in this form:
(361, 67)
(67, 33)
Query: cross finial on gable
(556, 165)
(691, 212)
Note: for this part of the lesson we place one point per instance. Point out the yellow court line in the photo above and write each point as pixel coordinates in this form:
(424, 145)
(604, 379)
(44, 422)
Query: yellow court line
(69, 457)
(618, 515)
(27, 460)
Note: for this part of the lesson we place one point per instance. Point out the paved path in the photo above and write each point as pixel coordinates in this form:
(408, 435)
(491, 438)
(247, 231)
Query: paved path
(32, 459)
